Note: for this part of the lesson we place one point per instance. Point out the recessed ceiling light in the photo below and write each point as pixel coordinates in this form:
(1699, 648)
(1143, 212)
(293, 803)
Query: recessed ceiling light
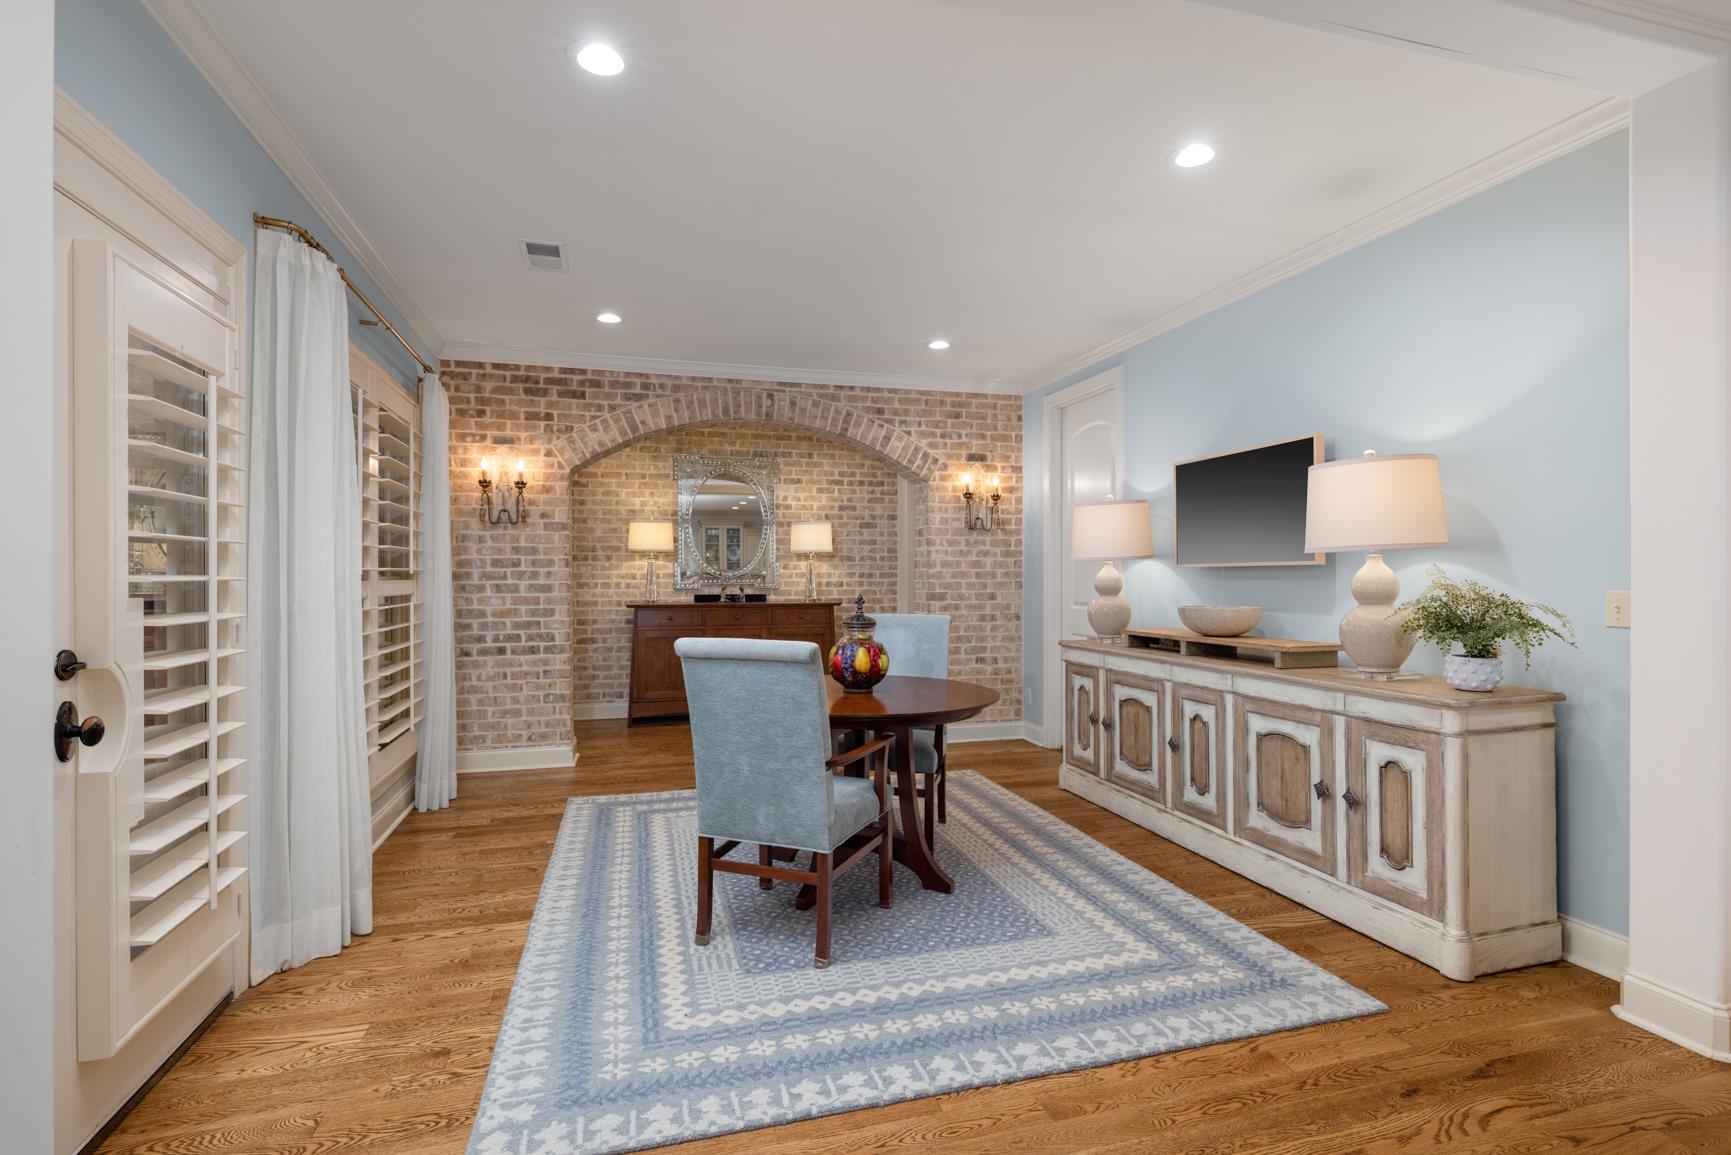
(940, 343)
(599, 58)
(609, 318)
(1193, 155)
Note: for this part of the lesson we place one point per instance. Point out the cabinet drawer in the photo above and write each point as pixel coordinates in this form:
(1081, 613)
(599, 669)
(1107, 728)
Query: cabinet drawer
(801, 615)
(650, 617)
(756, 617)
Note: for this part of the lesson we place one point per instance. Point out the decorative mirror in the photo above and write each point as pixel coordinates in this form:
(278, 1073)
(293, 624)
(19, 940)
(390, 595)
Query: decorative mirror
(726, 522)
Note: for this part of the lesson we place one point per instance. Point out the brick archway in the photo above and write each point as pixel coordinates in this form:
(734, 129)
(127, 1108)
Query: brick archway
(748, 405)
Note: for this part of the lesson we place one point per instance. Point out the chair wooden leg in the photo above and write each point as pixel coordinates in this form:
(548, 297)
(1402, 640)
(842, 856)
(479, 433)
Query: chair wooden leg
(886, 861)
(823, 896)
(943, 793)
(931, 811)
(705, 888)
(763, 859)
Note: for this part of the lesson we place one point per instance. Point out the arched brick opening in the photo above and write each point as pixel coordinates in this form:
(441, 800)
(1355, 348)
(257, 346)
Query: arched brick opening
(746, 405)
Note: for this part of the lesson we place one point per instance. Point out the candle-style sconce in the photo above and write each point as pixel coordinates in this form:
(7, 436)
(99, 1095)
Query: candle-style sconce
(980, 510)
(510, 515)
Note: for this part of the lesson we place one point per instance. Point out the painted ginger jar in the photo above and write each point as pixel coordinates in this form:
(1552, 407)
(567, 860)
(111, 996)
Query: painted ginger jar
(858, 661)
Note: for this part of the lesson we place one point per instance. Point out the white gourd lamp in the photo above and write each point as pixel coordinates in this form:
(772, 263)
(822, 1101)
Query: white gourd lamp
(812, 538)
(650, 537)
(1375, 503)
(1110, 531)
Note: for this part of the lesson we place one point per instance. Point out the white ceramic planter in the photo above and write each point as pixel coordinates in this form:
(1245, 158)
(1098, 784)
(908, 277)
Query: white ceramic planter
(1464, 673)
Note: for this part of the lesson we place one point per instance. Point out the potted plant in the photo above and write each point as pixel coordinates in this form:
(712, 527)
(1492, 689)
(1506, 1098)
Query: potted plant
(1478, 619)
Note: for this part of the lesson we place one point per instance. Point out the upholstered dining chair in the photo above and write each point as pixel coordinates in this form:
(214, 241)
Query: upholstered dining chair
(919, 647)
(760, 735)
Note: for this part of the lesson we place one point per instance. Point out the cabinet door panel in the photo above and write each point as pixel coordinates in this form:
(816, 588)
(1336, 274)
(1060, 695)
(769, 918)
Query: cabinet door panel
(1131, 735)
(1394, 818)
(1199, 754)
(1082, 717)
(1284, 781)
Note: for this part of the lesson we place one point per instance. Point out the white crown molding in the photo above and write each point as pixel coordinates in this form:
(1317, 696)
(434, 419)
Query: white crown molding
(1708, 18)
(1584, 127)
(216, 61)
(508, 354)
(99, 142)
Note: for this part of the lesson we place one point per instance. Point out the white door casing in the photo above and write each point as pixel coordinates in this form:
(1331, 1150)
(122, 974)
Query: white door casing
(1084, 426)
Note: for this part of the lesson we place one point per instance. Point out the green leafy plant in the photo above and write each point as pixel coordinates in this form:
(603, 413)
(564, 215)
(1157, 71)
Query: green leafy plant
(1480, 618)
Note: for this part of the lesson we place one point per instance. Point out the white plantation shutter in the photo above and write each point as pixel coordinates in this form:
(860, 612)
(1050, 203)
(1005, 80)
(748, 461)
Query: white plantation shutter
(388, 455)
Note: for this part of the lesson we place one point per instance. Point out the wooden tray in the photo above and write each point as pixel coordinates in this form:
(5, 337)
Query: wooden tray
(1281, 653)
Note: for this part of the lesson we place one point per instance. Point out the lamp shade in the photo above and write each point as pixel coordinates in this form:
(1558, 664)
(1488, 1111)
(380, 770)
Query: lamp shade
(649, 537)
(1375, 503)
(1111, 530)
(813, 537)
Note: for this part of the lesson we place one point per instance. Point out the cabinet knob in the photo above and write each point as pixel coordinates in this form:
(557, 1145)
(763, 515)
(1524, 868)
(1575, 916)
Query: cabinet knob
(1351, 799)
(68, 729)
(1172, 743)
(1093, 717)
(1321, 789)
(1106, 723)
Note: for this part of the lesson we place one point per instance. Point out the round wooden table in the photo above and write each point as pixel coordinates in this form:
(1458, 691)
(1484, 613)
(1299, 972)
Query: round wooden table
(900, 706)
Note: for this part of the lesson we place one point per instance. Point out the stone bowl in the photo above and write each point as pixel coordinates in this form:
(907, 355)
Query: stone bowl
(1220, 621)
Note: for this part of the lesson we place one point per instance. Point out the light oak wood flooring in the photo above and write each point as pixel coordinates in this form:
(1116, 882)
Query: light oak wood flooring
(384, 1048)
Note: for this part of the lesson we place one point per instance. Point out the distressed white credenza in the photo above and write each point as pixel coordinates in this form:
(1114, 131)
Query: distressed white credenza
(1422, 816)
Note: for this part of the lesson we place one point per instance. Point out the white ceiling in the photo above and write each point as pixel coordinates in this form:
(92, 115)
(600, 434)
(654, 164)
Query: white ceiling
(826, 185)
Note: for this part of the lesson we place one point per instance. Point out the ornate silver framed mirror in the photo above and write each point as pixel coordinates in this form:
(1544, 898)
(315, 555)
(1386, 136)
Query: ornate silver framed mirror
(727, 523)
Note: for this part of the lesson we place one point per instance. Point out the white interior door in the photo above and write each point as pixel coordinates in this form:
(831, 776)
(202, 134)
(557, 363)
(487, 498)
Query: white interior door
(1084, 463)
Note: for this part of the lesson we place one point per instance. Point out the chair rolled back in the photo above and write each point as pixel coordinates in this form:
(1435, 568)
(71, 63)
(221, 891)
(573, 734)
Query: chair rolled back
(760, 735)
(918, 644)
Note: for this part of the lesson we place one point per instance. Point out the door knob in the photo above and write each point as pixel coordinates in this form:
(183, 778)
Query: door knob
(68, 729)
(66, 664)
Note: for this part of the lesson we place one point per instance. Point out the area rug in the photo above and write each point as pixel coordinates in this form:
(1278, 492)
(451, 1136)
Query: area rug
(1054, 953)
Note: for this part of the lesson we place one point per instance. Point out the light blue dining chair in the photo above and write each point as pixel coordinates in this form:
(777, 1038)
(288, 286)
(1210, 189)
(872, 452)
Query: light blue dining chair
(919, 647)
(760, 737)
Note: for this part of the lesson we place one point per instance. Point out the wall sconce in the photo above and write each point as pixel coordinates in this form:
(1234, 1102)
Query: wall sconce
(978, 514)
(652, 538)
(503, 514)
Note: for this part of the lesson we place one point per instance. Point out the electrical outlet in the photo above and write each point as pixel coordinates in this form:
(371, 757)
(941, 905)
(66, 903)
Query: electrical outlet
(1617, 609)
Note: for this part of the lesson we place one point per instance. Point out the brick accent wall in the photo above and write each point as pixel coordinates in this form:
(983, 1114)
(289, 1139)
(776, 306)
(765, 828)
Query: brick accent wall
(516, 611)
(821, 480)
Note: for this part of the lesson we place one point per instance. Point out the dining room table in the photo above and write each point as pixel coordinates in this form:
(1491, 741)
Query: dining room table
(898, 706)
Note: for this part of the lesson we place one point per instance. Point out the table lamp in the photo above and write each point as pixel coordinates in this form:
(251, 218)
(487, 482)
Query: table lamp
(650, 537)
(1375, 503)
(1110, 531)
(812, 538)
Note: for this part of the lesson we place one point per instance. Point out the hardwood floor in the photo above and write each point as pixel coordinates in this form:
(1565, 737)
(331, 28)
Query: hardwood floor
(384, 1048)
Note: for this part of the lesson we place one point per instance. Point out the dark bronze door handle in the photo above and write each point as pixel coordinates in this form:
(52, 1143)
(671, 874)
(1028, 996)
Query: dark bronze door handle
(66, 664)
(68, 729)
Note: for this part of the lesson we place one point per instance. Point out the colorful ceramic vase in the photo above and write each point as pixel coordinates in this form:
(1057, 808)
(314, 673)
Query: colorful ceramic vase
(859, 660)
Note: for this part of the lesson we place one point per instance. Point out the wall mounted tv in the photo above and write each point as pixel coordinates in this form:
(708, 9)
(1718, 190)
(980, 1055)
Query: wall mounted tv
(1246, 508)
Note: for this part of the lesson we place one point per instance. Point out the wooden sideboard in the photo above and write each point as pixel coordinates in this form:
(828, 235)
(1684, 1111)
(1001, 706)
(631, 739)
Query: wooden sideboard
(658, 681)
(1420, 815)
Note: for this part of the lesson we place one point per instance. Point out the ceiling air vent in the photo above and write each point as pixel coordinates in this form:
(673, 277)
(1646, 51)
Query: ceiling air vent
(548, 256)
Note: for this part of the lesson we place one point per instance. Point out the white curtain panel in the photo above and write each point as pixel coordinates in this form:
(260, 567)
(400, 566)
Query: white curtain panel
(311, 818)
(436, 740)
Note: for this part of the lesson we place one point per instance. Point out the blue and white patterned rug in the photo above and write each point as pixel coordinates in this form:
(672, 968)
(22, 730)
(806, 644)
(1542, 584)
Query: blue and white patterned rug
(1054, 953)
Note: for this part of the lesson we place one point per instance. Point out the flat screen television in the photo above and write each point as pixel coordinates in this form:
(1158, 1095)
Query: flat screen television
(1246, 508)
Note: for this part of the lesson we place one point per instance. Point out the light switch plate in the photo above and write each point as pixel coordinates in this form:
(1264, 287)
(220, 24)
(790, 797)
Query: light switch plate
(1617, 609)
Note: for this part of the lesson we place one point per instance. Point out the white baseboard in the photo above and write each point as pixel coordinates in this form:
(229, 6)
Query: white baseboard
(408, 808)
(597, 711)
(1017, 730)
(1593, 948)
(1701, 1026)
(516, 758)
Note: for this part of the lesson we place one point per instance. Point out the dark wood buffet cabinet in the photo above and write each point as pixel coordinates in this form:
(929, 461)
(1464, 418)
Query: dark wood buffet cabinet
(658, 682)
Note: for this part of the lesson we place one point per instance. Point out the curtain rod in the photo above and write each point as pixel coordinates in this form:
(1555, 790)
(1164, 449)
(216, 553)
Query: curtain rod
(265, 222)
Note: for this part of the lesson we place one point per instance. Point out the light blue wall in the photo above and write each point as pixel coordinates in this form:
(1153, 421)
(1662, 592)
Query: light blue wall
(1493, 334)
(115, 60)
